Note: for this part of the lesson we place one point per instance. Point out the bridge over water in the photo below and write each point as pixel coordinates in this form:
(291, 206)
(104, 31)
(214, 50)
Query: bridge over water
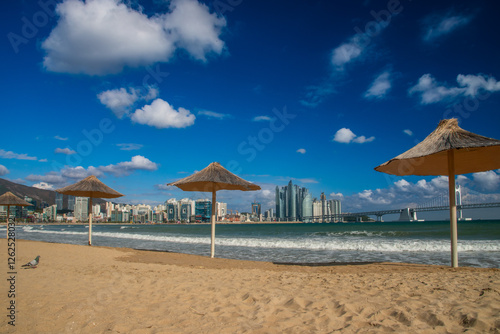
(405, 214)
(470, 201)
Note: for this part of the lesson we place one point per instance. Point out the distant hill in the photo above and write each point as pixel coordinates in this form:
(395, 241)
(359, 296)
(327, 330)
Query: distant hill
(39, 195)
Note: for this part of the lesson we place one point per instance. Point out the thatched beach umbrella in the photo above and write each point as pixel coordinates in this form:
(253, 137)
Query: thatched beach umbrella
(211, 179)
(448, 150)
(93, 188)
(9, 199)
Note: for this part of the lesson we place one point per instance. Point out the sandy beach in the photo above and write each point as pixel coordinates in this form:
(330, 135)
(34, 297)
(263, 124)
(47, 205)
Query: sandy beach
(82, 289)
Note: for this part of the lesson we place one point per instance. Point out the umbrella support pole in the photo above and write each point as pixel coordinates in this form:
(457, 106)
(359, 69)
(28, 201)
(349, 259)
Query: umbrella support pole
(453, 208)
(90, 221)
(213, 218)
(7, 221)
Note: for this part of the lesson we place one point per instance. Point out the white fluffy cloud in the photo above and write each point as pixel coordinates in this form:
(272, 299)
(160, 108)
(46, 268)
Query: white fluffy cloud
(161, 114)
(408, 132)
(43, 185)
(94, 37)
(374, 197)
(122, 99)
(3, 170)
(66, 151)
(68, 174)
(487, 180)
(53, 179)
(336, 195)
(11, 155)
(345, 53)
(118, 100)
(431, 91)
(354, 48)
(346, 136)
(402, 184)
(194, 29)
(436, 26)
(433, 192)
(137, 162)
(79, 172)
(380, 86)
(301, 150)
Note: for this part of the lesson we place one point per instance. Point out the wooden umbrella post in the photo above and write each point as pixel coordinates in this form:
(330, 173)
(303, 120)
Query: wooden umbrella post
(212, 248)
(90, 221)
(453, 208)
(7, 223)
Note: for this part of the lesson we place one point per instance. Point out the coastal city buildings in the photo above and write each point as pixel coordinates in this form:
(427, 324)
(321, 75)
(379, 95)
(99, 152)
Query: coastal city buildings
(81, 211)
(294, 203)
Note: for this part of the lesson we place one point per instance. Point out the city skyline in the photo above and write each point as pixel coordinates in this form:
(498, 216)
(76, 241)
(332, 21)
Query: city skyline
(294, 203)
(318, 92)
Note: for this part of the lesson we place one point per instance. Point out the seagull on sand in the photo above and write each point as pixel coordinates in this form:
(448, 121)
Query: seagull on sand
(33, 263)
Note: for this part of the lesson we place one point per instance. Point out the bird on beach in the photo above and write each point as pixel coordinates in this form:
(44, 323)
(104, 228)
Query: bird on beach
(33, 263)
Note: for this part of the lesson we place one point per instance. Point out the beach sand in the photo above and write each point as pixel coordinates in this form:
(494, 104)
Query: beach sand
(82, 289)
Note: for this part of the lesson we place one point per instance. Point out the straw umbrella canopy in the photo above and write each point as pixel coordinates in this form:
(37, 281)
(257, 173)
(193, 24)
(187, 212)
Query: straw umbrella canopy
(9, 199)
(449, 150)
(93, 188)
(211, 179)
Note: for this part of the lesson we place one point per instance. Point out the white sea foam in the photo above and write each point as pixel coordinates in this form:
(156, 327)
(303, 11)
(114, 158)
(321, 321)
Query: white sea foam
(316, 243)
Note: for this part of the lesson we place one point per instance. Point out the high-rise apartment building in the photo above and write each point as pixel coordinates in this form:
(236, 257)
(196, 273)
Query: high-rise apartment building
(256, 209)
(290, 202)
(221, 210)
(81, 211)
(294, 203)
(59, 201)
(181, 210)
(71, 202)
(203, 210)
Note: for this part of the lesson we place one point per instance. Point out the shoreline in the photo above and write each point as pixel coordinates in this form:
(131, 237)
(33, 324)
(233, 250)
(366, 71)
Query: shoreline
(244, 223)
(93, 289)
(125, 223)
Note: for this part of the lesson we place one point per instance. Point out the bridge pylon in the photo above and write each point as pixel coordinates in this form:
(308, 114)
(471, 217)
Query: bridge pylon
(408, 214)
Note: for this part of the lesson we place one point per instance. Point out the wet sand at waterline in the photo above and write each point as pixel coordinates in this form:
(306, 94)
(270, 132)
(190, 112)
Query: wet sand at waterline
(83, 289)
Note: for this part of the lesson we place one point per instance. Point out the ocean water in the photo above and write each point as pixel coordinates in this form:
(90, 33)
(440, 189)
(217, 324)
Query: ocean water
(413, 242)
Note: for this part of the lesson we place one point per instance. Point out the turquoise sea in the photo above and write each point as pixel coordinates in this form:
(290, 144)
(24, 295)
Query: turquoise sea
(415, 242)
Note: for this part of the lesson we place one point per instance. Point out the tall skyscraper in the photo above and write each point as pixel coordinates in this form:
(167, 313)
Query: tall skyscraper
(291, 213)
(324, 207)
(59, 201)
(280, 203)
(71, 202)
(203, 209)
(256, 209)
(307, 208)
(290, 202)
(81, 208)
(294, 203)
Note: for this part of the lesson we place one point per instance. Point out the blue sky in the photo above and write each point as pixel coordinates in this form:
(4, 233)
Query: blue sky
(142, 93)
